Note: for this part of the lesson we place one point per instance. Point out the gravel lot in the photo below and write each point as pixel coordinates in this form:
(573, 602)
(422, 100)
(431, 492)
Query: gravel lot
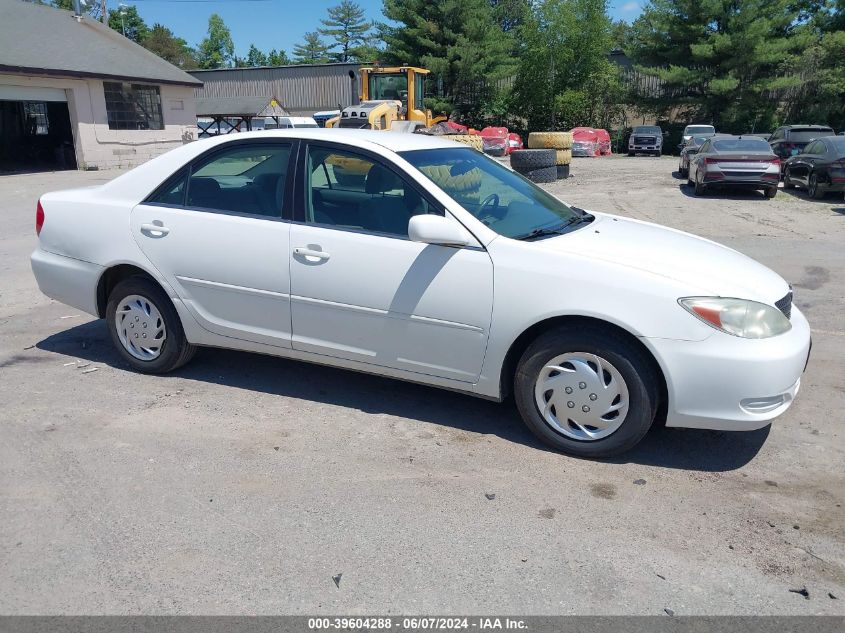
(243, 484)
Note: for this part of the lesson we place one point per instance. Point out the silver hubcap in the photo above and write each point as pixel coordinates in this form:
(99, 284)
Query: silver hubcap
(581, 396)
(140, 327)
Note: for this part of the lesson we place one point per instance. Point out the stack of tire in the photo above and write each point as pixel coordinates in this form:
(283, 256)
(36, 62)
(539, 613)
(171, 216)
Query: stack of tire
(473, 140)
(560, 143)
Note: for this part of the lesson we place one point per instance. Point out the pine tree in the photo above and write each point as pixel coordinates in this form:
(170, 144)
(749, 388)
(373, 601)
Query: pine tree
(255, 57)
(347, 29)
(725, 63)
(458, 40)
(217, 50)
(127, 21)
(311, 51)
(277, 58)
(166, 45)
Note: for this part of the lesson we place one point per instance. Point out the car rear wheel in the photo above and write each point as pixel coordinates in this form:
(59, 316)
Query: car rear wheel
(700, 187)
(770, 192)
(145, 327)
(813, 190)
(590, 393)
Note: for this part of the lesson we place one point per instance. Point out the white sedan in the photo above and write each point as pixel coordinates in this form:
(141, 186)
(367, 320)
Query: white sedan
(429, 262)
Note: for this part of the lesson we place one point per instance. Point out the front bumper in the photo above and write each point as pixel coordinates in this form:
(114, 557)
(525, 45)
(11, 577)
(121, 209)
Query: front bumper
(732, 384)
(71, 281)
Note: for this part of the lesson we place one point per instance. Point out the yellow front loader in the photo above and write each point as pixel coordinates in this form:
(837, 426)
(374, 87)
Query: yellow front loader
(392, 98)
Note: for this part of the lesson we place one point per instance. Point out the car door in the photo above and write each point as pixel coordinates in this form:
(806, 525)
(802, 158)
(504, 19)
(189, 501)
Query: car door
(361, 290)
(216, 232)
(803, 164)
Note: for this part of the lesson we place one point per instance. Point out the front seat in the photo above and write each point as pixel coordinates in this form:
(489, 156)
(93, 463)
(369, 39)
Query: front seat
(384, 213)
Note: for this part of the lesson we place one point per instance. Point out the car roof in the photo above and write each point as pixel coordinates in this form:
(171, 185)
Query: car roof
(806, 127)
(393, 141)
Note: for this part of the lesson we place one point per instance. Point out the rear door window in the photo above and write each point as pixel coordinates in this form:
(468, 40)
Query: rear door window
(247, 179)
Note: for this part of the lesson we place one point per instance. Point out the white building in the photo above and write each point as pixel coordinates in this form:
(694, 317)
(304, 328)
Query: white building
(76, 94)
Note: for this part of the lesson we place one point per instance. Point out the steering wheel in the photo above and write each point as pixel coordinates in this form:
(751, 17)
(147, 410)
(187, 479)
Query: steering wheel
(490, 201)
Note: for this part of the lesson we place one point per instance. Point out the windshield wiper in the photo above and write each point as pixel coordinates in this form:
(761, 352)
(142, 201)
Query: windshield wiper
(556, 230)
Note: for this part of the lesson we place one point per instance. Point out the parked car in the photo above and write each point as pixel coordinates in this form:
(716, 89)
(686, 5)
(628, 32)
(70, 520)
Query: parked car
(789, 140)
(688, 149)
(495, 141)
(321, 117)
(646, 139)
(285, 122)
(597, 322)
(514, 142)
(819, 168)
(587, 141)
(697, 130)
(734, 161)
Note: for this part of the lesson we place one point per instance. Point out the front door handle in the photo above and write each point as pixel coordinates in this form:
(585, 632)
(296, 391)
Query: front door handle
(156, 229)
(307, 252)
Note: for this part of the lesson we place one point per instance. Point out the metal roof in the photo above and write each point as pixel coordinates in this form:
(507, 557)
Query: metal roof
(303, 89)
(38, 39)
(239, 106)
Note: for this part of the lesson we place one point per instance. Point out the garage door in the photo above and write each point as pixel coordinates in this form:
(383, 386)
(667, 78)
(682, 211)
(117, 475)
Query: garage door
(28, 93)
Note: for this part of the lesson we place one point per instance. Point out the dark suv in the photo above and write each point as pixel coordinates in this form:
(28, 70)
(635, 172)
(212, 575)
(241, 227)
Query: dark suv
(789, 140)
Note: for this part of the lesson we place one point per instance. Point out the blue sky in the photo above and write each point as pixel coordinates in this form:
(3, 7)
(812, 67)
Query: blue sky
(270, 23)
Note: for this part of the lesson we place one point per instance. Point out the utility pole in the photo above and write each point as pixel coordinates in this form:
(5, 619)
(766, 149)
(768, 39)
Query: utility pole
(103, 17)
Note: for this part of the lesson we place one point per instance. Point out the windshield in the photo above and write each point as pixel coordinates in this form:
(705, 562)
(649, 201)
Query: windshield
(742, 145)
(647, 129)
(699, 129)
(805, 136)
(389, 86)
(509, 204)
(838, 144)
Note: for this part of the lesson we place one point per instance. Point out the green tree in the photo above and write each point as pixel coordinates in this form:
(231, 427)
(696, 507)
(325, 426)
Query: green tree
(217, 49)
(255, 57)
(166, 45)
(126, 20)
(727, 63)
(312, 50)
(459, 41)
(565, 78)
(277, 58)
(510, 14)
(821, 98)
(347, 31)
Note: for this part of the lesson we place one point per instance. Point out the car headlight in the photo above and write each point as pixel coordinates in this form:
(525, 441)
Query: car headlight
(738, 317)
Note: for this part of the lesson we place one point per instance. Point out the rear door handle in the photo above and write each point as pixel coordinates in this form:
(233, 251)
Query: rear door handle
(154, 230)
(307, 252)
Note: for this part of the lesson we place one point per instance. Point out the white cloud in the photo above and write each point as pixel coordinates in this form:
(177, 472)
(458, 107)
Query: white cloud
(629, 7)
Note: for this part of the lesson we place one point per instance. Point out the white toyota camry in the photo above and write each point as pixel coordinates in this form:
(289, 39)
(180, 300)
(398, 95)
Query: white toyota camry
(422, 259)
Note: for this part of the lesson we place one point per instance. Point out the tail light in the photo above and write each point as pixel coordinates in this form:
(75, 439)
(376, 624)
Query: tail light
(39, 218)
(711, 161)
(775, 161)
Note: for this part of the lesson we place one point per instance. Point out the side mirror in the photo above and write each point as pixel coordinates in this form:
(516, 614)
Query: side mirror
(437, 229)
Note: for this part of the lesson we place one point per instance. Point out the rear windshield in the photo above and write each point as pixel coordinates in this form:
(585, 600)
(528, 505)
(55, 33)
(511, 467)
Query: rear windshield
(804, 136)
(742, 145)
(699, 129)
(838, 144)
(647, 129)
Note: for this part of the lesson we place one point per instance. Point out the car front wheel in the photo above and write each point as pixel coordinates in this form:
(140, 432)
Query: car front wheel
(590, 393)
(145, 327)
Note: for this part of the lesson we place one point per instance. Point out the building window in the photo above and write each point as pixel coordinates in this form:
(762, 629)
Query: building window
(35, 113)
(133, 106)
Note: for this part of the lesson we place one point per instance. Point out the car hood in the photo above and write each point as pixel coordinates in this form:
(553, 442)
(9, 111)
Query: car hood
(707, 267)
